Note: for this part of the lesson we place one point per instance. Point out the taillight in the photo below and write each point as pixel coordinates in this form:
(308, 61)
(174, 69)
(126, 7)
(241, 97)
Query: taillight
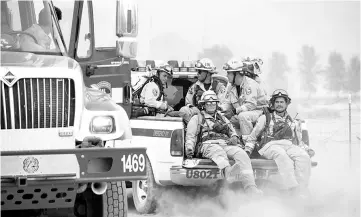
(177, 143)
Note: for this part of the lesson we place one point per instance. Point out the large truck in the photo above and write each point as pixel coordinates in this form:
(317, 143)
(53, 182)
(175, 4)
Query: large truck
(58, 133)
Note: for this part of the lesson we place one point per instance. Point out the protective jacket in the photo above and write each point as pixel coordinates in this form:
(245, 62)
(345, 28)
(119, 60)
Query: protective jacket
(205, 127)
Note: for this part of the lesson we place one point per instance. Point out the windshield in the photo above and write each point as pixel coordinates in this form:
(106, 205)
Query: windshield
(30, 26)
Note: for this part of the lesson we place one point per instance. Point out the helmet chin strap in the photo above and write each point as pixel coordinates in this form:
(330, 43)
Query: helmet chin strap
(203, 80)
(234, 78)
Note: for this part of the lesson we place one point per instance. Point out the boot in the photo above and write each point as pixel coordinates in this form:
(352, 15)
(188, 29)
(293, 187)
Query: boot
(299, 193)
(253, 191)
(231, 172)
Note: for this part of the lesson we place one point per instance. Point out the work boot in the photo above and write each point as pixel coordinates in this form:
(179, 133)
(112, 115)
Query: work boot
(231, 172)
(299, 193)
(253, 191)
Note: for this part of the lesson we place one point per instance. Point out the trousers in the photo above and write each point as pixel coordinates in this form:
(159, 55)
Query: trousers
(294, 164)
(221, 153)
(244, 121)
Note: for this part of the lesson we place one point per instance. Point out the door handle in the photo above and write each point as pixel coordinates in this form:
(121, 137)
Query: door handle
(91, 68)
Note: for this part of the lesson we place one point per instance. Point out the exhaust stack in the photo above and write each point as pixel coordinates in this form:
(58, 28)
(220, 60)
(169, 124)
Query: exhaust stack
(99, 188)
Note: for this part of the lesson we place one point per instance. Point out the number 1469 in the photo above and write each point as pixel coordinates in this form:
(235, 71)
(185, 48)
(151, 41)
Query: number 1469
(133, 163)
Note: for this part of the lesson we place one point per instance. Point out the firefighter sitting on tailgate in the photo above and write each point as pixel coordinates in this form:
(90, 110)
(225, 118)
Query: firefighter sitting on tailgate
(245, 100)
(205, 68)
(211, 135)
(281, 140)
(152, 94)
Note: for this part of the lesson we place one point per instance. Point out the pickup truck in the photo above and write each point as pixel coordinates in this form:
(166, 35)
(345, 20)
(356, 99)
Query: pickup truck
(164, 138)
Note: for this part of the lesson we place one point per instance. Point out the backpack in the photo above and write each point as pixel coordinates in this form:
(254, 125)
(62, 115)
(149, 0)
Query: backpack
(136, 93)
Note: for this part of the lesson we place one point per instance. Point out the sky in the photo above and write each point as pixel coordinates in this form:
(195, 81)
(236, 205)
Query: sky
(248, 28)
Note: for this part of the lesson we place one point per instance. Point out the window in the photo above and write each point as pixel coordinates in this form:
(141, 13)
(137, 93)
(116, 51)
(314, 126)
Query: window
(84, 41)
(13, 17)
(67, 10)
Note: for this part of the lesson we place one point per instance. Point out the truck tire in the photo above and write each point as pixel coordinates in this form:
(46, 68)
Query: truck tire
(145, 193)
(113, 203)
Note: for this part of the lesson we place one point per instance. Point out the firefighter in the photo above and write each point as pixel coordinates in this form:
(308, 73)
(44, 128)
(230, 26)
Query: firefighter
(211, 135)
(42, 32)
(152, 94)
(280, 139)
(205, 69)
(244, 100)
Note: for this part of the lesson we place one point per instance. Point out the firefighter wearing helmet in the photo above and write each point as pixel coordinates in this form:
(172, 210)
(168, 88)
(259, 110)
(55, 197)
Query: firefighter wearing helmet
(280, 138)
(152, 94)
(245, 99)
(205, 68)
(211, 135)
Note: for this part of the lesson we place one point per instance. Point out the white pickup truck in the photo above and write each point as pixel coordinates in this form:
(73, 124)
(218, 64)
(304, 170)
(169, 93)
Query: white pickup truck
(164, 138)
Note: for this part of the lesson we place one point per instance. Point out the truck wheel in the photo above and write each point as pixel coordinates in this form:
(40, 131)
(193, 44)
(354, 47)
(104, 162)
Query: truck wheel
(144, 193)
(113, 203)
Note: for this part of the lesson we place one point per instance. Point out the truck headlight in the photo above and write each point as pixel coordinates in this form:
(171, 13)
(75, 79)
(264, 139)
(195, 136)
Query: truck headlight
(102, 124)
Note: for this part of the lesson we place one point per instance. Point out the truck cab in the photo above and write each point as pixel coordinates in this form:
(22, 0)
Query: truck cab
(57, 132)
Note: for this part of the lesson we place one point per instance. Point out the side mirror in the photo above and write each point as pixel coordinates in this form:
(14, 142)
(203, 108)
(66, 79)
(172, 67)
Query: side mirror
(127, 18)
(127, 28)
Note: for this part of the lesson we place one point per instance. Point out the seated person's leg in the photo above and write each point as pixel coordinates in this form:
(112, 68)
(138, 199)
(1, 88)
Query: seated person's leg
(246, 120)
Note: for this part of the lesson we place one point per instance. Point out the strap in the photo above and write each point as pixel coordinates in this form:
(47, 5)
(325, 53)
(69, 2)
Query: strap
(214, 85)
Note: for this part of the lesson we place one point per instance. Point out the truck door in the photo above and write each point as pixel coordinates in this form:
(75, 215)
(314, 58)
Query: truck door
(103, 40)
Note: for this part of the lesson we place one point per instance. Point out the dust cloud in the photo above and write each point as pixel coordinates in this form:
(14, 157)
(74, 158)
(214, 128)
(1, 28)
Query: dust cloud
(334, 183)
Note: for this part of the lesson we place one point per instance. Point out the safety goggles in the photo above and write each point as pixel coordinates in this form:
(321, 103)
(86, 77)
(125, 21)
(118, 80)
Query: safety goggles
(279, 92)
(211, 103)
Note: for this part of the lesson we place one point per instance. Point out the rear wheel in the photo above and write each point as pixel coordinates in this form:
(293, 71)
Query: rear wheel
(113, 203)
(145, 193)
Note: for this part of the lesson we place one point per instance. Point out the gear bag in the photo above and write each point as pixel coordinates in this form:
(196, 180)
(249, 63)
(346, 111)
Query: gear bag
(138, 91)
(222, 128)
(281, 130)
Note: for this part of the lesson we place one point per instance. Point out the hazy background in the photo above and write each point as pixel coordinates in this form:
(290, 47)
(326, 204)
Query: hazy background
(311, 46)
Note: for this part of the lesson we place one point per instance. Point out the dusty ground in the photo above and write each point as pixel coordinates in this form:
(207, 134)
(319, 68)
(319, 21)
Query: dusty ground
(335, 183)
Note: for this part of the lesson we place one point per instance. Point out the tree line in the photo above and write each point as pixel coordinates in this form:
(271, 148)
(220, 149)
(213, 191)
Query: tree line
(339, 75)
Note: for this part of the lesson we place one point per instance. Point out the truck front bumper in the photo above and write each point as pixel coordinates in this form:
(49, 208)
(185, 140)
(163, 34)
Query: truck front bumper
(35, 188)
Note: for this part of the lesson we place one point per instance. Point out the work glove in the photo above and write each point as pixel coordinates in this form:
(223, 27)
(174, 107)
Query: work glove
(170, 109)
(189, 151)
(234, 140)
(229, 113)
(219, 127)
(164, 106)
(310, 152)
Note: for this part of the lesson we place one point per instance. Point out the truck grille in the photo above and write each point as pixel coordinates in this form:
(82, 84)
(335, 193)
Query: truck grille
(37, 103)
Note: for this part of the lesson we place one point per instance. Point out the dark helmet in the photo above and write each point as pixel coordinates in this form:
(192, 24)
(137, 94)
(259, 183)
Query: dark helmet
(280, 93)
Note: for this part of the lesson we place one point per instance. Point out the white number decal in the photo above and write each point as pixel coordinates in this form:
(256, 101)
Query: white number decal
(133, 163)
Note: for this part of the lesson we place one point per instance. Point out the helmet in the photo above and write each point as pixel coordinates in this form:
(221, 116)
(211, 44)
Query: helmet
(233, 65)
(206, 65)
(208, 96)
(165, 68)
(252, 65)
(280, 93)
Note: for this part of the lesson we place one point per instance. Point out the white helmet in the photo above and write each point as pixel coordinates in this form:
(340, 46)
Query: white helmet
(208, 96)
(206, 65)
